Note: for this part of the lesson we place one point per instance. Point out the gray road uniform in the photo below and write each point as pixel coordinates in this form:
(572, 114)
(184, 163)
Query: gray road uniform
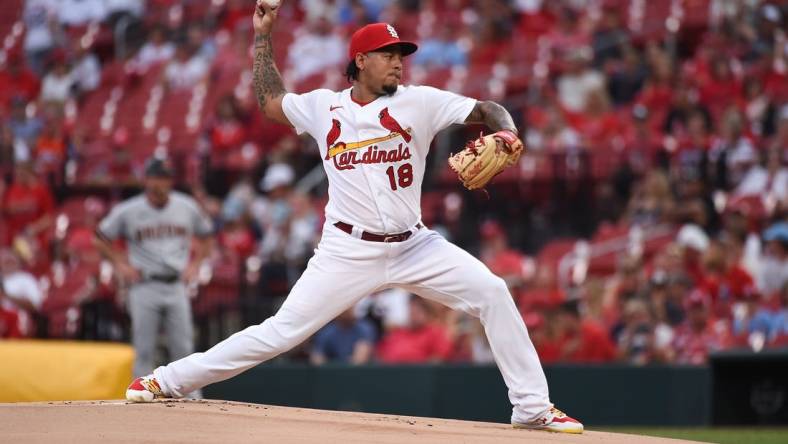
(159, 243)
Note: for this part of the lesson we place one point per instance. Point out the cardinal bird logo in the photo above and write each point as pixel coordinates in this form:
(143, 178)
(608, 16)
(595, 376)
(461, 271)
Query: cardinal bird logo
(333, 135)
(392, 125)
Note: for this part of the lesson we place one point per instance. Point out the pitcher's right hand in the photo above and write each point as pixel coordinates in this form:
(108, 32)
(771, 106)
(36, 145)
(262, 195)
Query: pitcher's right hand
(264, 18)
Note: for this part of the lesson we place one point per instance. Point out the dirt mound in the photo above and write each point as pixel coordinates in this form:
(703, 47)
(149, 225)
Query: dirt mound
(88, 422)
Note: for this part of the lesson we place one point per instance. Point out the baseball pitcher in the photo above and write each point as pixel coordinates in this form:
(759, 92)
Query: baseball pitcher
(373, 138)
(158, 227)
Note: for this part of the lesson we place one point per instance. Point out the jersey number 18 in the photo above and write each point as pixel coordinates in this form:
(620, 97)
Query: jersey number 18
(403, 176)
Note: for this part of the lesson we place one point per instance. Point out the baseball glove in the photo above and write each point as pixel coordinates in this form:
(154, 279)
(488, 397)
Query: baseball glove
(484, 158)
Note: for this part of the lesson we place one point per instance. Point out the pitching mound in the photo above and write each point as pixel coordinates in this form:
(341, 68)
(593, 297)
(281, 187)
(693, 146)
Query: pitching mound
(88, 422)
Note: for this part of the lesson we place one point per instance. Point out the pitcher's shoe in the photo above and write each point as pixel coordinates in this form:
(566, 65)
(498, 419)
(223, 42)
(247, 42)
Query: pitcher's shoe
(144, 389)
(552, 421)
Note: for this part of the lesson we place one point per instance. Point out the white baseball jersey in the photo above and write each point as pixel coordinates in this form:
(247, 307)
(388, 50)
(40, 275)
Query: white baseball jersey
(375, 154)
(159, 239)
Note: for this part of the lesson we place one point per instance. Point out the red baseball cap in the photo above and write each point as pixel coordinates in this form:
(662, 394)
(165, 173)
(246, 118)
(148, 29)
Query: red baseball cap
(375, 36)
(491, 229)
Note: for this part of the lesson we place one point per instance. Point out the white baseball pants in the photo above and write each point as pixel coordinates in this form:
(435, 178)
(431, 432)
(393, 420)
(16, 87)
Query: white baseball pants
(343, 270)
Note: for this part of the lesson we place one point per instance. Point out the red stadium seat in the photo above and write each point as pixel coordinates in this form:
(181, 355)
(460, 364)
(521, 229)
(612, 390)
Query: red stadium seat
(223, 289)
(552, 253)
(431, 206)
(76, 209)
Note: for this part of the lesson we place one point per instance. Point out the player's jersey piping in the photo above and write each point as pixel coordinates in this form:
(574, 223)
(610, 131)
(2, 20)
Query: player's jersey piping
(358, 102)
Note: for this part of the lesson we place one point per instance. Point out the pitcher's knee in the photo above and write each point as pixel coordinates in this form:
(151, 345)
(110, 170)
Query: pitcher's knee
(492, 289)
(495, 286)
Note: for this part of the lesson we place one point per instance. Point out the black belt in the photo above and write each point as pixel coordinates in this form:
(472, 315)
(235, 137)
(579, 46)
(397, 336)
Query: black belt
(374, 237)
(166, 278)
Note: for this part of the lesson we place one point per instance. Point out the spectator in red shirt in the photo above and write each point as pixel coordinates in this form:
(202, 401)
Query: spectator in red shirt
(698, 335)
(27, 205)
(7, 154)
(505, 262)
(722, 89)
(227, 132)
(235, 15)
(9, 325)
(235, 235)
(537, 19)
(546, 347)
(724, 280)
(50, 150)
(542, 292)
(424, 340)
(657, 91)
(598, 123)
(568, 34)
(17, 81)
(642, 143)
(582, 340)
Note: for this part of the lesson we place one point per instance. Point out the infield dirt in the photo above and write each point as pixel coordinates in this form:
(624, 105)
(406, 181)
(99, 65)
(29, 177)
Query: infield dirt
(87, 422)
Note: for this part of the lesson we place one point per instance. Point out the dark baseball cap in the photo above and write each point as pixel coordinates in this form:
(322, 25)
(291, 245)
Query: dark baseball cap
(375, 36)
(156, 167)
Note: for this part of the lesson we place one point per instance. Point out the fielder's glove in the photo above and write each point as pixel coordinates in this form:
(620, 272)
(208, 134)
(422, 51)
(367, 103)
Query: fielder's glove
(484, 158)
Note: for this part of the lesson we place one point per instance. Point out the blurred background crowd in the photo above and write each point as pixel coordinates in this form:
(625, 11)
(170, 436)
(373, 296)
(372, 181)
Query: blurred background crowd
(647, 222)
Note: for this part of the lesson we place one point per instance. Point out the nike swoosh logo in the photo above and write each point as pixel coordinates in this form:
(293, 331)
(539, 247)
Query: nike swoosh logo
(332, 108)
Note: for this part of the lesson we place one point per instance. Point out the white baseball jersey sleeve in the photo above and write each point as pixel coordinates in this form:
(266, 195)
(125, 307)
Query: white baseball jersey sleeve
(375, 154)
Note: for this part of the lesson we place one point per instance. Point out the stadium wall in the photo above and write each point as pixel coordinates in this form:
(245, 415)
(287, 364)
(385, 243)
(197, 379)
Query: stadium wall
(600, 395)
(33, 370)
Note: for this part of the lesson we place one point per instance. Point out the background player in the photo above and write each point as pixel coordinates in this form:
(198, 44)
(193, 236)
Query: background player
(374, 138)
(158, 226)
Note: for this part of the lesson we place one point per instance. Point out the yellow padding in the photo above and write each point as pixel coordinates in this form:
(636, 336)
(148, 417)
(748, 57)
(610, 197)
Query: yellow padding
(63, 370)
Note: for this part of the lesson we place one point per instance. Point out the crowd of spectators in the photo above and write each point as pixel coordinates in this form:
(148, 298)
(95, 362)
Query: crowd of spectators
(646, 124)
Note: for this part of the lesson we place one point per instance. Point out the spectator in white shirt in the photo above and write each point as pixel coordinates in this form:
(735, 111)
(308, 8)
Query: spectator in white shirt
(579, 80)
(120, 7)
(81, 12)
(86, 71)
(771, 181)
(197, 38)
(157, 50)
(58, 84)
(315, 50)
(186, 70)
(40, 30)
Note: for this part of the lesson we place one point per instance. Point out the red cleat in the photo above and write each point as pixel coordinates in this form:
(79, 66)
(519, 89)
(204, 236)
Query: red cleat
(552, 421)
(144, 389)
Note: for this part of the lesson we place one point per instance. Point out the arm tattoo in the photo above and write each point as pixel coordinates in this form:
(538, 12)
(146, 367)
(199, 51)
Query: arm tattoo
(493, 115)
(267, 81)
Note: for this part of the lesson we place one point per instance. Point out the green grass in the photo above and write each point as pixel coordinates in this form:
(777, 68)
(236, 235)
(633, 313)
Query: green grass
(719, 435)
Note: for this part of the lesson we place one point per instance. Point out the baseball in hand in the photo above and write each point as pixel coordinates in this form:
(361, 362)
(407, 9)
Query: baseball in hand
(271, 4)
